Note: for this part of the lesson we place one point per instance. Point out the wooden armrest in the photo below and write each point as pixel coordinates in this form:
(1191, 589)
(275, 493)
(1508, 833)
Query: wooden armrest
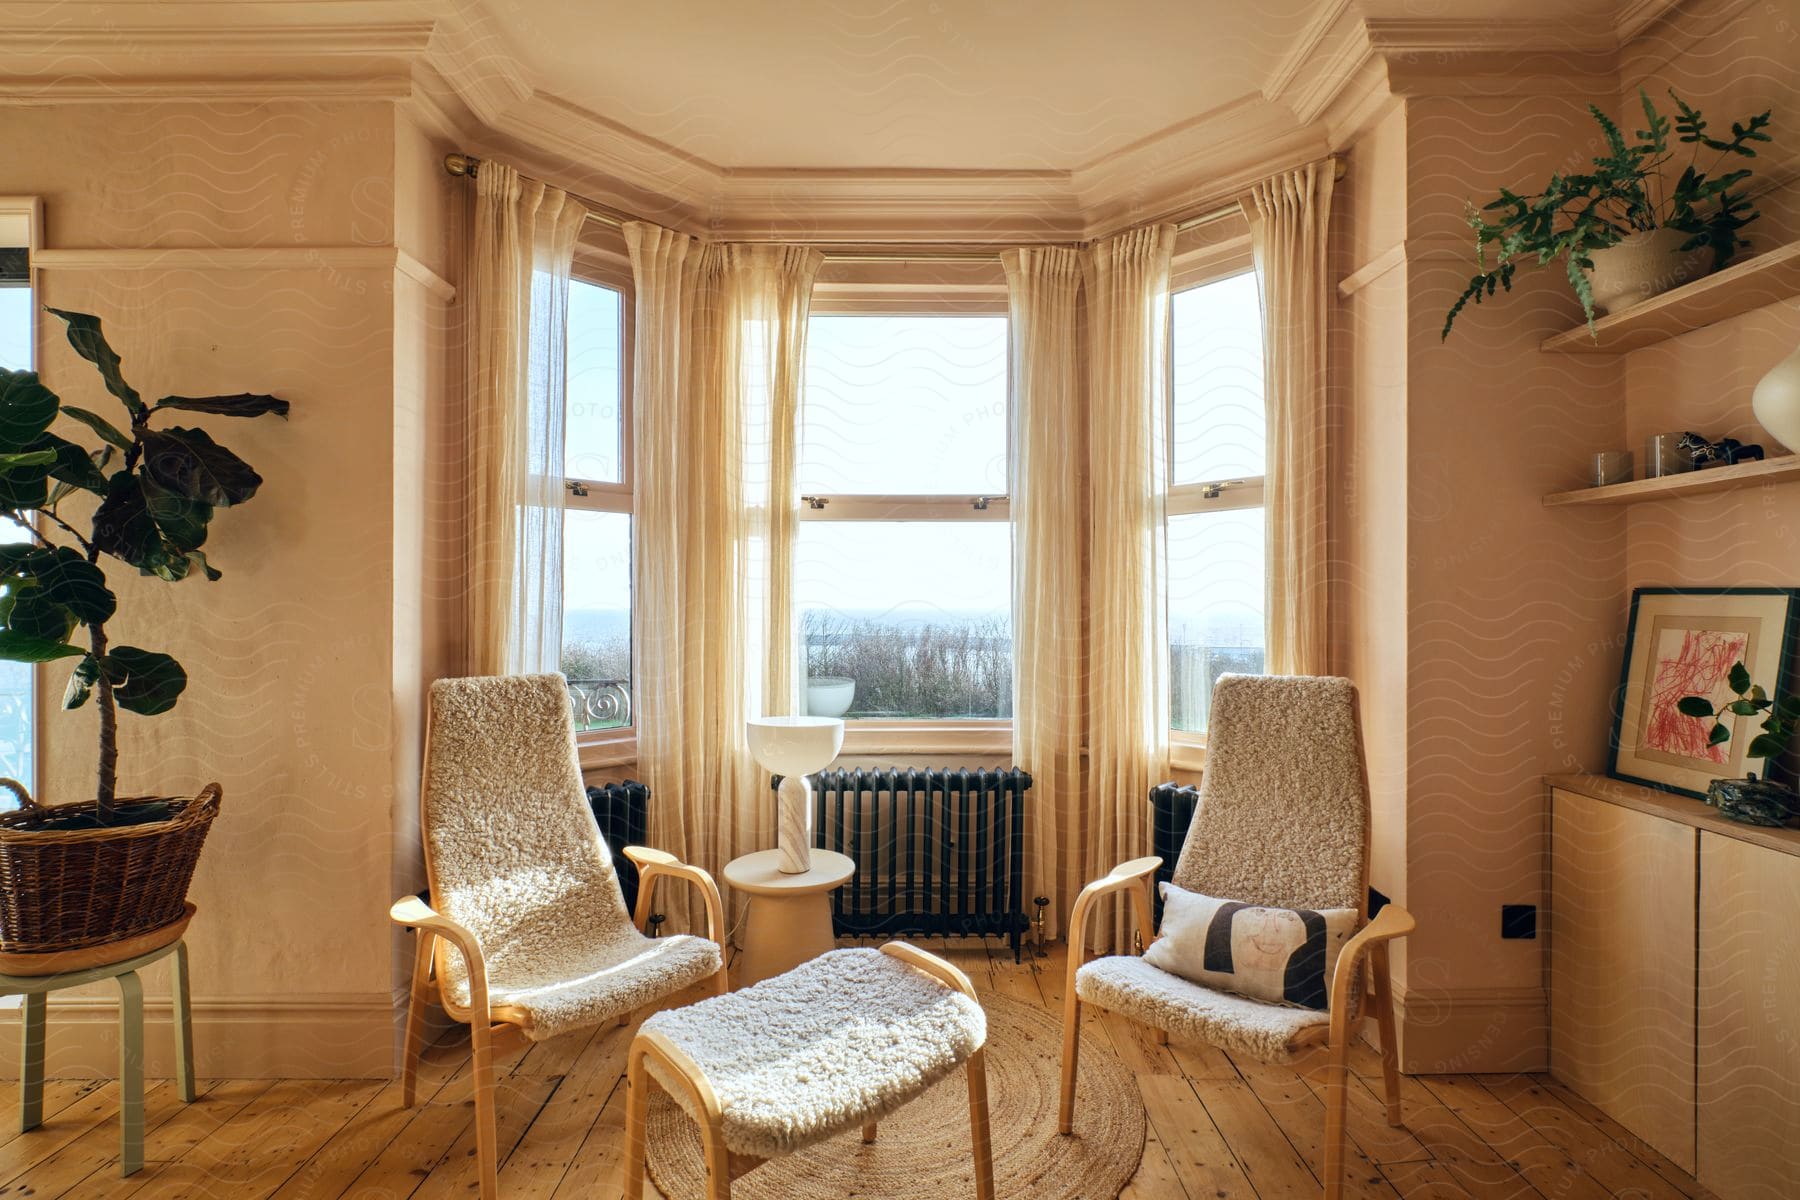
(950, 975)
(1390, 923)
(1133, 876)
(414, 913)
(654, 864)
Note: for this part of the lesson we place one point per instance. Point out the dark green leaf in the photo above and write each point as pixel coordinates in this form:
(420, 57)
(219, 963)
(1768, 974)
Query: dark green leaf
(76, 584)
(145, 682)
(89, 342)
(1719, 734)
(1767, 745)
(26, 409)
(183, 522)
(81, 682)
(1739, 679)
(100, 425)
(71, 464)
(19, 648)
(1694, 706)
(1744, 708)
(122, 524)
(244, 404)
(34, 614)
(189, 463)
(27, 458)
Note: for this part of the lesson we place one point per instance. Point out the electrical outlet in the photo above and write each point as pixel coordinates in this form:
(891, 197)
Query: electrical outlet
(1518, 921)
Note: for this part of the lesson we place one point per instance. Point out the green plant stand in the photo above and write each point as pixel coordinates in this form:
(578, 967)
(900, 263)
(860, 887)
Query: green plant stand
(37, 988)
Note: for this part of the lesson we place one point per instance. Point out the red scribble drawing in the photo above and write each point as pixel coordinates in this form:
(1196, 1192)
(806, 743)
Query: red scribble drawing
(1697, 668)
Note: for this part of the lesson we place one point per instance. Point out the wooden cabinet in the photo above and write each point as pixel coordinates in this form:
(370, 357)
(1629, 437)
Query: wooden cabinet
(1748, 1048)
(1621, 930)
(1675, 979)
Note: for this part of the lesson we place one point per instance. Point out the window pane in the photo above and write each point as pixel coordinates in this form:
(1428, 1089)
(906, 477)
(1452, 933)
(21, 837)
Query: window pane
(1215, 606)
(596, 336)
(16, 758)
(904, 405)
(597, 616)
(906, 619)
(1215, 339)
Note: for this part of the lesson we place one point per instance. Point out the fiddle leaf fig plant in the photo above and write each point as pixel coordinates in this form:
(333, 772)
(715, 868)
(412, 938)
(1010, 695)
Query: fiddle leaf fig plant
(154, 489)
(1781, 718)
(1626, 192)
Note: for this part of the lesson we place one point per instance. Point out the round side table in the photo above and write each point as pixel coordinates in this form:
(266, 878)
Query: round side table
(790, 915)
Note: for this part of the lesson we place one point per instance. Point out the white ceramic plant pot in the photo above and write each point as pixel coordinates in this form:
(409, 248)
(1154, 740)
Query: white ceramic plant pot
(830, 695)
(793, 748)
(1776, 402)
(1644, 265)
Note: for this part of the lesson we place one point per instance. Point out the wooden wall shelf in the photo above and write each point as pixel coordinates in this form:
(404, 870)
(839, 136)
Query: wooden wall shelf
(1749, 285)
(1690, 483)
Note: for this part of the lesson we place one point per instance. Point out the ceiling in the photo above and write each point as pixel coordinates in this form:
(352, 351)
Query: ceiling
(962, 84)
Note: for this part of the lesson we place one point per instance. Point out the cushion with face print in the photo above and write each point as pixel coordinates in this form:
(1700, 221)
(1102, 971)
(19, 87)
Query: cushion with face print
(1282, 955)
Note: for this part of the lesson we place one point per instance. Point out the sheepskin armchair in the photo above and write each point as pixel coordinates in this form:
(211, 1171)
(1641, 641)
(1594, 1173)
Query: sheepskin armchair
(527, 934)
(1282, 822)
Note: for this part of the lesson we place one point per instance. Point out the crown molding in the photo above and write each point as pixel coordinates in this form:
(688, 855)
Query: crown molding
(451, 65)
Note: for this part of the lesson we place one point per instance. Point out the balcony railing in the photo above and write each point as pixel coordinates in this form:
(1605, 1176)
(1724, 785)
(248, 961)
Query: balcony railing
(600, 703)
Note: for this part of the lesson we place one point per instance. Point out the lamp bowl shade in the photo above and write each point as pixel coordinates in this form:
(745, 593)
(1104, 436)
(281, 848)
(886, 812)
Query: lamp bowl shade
(794, 745)
(1776, 402)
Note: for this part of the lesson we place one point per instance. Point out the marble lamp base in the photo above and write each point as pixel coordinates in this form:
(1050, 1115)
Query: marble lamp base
(794, 828)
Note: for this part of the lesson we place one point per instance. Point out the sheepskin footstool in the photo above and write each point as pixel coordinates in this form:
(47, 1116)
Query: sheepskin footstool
(837, 1042)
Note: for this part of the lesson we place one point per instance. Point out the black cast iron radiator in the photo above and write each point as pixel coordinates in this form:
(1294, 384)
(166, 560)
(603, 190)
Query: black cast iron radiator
(622, 810)
(1171, 812)
(937, 852)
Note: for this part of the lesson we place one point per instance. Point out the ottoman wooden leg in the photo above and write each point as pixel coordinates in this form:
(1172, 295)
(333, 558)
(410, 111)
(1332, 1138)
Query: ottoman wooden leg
(978, 1125)
(868, 1133)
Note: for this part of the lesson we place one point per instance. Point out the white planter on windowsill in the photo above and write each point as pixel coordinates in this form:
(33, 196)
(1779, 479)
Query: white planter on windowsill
(829, 695)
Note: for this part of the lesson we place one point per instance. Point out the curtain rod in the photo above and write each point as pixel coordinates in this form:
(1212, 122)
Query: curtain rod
(469, 166)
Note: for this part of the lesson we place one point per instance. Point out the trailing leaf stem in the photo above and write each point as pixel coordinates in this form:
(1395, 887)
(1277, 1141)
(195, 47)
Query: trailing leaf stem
(107, 774)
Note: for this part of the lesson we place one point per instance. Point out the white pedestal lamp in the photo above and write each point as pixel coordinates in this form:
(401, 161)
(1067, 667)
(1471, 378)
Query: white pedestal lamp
(793, 748)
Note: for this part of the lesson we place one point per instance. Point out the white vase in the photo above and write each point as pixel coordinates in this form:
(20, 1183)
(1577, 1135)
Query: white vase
(830, 695)
(1776, 402)
(1643, 265)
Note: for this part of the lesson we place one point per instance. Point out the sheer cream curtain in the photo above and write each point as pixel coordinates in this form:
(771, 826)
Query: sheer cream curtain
(1290, 215)
(1127, 292)
(519, 258)
(769, 298)
(1049, 514)
(720, 331)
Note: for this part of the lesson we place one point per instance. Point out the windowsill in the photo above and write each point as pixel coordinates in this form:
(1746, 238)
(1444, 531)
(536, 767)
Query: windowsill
(1187, 752)
(606, 748)
(618, 747)
(927, 737)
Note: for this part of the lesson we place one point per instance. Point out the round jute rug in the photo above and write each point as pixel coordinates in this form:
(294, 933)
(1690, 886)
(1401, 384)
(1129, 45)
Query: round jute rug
(923, 1150)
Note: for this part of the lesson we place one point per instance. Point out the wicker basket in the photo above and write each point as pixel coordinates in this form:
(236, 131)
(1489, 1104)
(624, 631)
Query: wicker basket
(65, 889)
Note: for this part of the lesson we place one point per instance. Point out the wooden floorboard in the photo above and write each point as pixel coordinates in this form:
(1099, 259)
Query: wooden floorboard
(1220, 1127)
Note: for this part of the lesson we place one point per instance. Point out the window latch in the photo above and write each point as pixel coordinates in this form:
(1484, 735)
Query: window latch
(815, 502)
(980, 503)
(1212, 491)
(576, 487)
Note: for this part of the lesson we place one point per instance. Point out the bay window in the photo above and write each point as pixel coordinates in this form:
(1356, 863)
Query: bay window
(1217, 443)
(597, 638)
(903, 570)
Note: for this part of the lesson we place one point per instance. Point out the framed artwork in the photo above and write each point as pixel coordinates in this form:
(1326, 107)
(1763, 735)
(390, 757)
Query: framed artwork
(1683, 642)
